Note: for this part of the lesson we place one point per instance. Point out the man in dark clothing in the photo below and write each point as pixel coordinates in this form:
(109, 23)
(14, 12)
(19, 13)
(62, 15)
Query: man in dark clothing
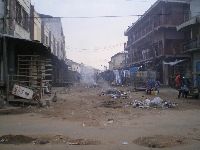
(184, 91)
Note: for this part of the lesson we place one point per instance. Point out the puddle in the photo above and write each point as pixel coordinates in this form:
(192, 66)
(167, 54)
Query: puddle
(160, 141)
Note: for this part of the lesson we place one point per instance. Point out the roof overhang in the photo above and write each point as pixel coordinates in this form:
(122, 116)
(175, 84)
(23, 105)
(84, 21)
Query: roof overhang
(185, 25)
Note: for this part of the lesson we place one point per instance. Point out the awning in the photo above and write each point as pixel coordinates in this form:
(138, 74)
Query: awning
(172, 63)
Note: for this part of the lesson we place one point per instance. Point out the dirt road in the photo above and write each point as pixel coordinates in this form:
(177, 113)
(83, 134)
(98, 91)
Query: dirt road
(80, 119)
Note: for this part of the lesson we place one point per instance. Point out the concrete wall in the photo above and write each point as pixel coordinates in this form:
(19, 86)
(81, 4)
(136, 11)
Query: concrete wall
(26, 4)
(1, 15)
(117, 61)
(57, 38)
(19, 30)
(195, 7)
(37, 27)
(196, 58)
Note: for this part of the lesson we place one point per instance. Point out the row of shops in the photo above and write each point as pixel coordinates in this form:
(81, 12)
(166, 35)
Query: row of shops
(29, 64)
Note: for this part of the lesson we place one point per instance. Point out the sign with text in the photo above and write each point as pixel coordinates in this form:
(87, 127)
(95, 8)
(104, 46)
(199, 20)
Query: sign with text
(22, 92)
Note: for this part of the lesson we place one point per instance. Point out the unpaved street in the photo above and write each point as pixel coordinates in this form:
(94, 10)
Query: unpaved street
(82, 119)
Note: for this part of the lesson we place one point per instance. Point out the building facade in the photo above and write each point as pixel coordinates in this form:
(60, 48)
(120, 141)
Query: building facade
(153, 38)
(35, 25)
(117, 61)
(52, 35)
(191, 45)
(16, 18)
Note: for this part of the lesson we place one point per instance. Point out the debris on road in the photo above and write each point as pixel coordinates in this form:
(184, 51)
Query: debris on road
(124, 143)
(157, 102)
(114, 93)
(110, 121)
(83, 142)
(111, 104)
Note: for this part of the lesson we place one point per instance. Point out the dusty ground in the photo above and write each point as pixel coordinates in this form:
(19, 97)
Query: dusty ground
(81, 119)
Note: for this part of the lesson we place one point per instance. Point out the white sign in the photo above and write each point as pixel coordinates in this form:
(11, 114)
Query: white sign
(22, 92)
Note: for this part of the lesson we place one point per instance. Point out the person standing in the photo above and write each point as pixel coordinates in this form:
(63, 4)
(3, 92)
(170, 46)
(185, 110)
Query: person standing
(178, 81)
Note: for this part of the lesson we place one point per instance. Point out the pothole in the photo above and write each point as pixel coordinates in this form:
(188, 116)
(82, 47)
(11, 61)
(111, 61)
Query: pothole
(15, 139)
(57, 139)
(160, 141)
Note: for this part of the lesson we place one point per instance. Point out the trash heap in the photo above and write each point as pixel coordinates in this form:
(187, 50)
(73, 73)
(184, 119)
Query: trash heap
(157, 102)
(114, 93)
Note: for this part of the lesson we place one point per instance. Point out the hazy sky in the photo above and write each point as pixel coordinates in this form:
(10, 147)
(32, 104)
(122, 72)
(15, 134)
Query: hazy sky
(94, 41)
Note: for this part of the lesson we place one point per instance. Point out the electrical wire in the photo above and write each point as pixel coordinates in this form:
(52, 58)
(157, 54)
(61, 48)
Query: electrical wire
(93, 17)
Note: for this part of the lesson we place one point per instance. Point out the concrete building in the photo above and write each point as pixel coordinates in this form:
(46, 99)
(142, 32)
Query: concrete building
(73, 66)
(35, 25)
(191, 45)
(16, 15)
(52, 35)
(1, 15)
(117, 61)
(153, 38)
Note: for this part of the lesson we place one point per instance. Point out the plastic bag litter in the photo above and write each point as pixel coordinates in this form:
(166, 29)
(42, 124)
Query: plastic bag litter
(147, 102)
(157, 101)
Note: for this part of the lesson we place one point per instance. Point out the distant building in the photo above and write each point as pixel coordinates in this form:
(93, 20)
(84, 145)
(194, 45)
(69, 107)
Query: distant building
(16, 15)
(117, 61)
(52, 35)
(73, 66)
(153, 38)
(191, 46)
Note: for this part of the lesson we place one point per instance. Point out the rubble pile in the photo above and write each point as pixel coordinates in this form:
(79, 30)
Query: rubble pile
(115, 93)
(157, 102)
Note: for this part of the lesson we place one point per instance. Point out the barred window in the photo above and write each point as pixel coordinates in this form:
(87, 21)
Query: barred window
(18, 13)
(22, 17)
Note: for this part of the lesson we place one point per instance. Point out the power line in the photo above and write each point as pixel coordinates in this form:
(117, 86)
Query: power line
(102, 48)
(93, 17)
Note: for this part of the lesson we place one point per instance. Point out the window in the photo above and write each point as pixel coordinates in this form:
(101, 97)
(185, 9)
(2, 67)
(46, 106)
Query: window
(18, 13)
(22, 17)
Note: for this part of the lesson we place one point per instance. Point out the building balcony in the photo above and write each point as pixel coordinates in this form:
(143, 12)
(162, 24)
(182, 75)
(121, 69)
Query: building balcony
(191, 46)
